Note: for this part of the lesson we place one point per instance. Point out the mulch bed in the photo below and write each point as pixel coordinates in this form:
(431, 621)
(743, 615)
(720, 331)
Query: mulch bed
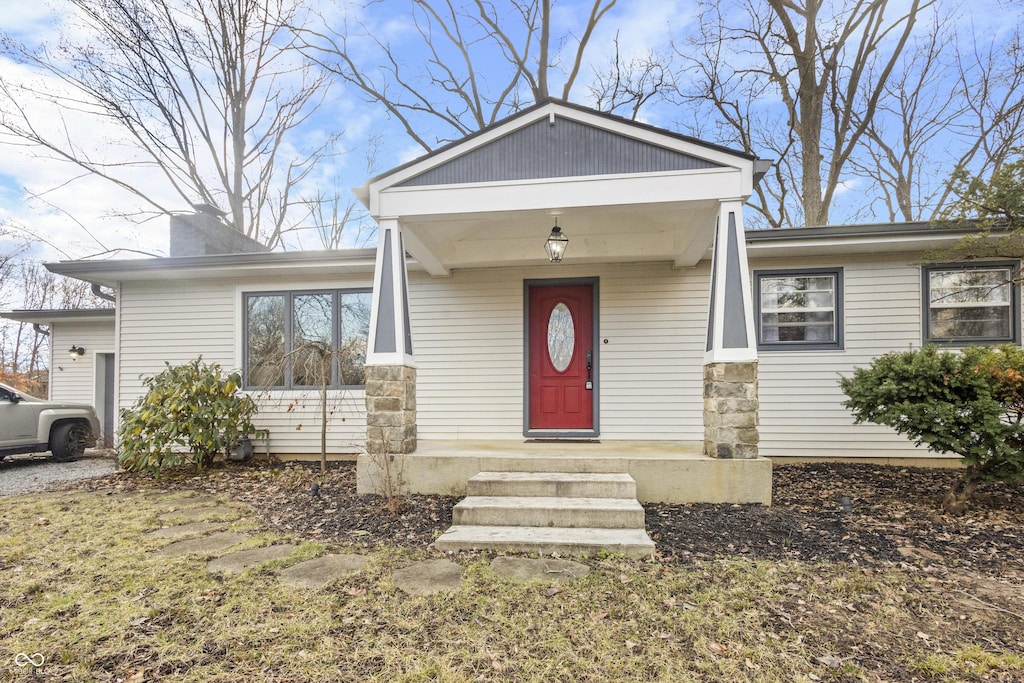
(895, 515)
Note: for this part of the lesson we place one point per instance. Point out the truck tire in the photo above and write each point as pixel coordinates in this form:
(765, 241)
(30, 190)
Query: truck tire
(69, 440)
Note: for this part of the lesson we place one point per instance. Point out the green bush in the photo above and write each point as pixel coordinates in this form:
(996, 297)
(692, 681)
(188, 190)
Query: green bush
(189, 414)
(969, 403)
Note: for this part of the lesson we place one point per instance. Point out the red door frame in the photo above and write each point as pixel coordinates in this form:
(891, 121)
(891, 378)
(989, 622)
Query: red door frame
(536, 360)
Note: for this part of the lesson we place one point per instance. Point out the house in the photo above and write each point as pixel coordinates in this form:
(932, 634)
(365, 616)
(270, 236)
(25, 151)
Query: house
(668, 342)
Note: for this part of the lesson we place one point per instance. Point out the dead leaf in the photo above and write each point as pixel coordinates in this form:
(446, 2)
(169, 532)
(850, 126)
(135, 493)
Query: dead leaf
(830, 661)
(630, 644)
(625, 579)
(355, 591)
(551, 592)
(717, 648)
(598, 616)
(923, 636)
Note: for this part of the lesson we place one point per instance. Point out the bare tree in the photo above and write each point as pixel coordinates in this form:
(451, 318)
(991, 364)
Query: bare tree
(626, 84)
(473, 62)
(823, 61)
(956, 102)
(209, 94)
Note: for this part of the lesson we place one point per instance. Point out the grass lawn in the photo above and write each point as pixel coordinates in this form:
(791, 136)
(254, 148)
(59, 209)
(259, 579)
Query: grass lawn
(79, 585)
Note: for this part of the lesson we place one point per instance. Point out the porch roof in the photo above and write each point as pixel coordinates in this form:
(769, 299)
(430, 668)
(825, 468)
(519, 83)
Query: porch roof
(621, 190)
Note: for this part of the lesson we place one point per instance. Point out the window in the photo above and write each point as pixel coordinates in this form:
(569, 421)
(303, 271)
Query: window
(295, 340)
(970, 304)
(799, 309)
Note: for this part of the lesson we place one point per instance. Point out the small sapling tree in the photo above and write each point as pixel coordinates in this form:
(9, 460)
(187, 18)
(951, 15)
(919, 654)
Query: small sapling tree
(189, 414)
(970, 403)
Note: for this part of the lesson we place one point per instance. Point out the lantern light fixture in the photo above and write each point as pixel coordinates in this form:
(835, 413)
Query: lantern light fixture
(556, 244)
(75, 352)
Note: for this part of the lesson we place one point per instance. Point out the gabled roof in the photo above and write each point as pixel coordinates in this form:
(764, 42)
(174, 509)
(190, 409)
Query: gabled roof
(626, 190)
(527, 145)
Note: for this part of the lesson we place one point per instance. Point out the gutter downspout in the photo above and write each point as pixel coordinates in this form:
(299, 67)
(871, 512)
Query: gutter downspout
(98, 291)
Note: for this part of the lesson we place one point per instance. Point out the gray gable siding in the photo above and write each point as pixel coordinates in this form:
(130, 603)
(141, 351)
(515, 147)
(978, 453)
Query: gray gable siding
(567, 148)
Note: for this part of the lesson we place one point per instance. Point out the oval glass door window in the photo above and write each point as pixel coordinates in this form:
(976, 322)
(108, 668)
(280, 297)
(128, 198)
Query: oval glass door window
(561, 337)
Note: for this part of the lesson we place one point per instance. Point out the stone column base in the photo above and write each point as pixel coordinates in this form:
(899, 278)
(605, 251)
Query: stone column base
(390, 409)
(730, 410)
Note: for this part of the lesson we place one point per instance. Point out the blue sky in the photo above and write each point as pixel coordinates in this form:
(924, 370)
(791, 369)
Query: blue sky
(72, 218)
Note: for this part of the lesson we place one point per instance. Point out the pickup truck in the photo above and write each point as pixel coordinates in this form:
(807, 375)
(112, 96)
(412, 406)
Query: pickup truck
(32, 425)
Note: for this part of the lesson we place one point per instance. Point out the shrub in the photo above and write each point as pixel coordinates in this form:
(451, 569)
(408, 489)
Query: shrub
(189, 414)
(970, 403)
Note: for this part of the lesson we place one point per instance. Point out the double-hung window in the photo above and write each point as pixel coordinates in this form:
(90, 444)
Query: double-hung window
(305, 339)
(971, 304)
(799, 309)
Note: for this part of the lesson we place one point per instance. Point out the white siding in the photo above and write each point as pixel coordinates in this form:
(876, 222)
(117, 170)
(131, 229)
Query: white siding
(468, 342)
(802, 412)
(76, 380)
(175, 321)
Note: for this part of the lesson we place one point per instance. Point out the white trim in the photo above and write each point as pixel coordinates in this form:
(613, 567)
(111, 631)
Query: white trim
(542, 194)
(390, 229)
(718, 354)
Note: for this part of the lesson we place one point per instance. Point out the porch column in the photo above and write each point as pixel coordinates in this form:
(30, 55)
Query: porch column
(730, 361)
(390, 364)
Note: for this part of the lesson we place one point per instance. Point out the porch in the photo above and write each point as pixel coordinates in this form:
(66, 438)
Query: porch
(665, 471)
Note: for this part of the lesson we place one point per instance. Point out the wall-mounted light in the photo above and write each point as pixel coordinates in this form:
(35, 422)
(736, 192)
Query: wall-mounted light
(556, 244)
(76, 352)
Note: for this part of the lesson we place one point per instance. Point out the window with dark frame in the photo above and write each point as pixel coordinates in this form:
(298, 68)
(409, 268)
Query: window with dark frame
(296, 339)
(799, 309)
(970, 304)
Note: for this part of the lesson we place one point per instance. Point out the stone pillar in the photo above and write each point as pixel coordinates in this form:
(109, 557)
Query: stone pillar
(390, 409)
(730, 410)
(730, 362)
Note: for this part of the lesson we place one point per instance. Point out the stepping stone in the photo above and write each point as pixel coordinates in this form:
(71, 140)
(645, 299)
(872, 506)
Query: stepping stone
(429, 577)
(199, 499)
(165, 495)
(528, 569)
(320, 571)
(191, 529)
(204, 544)
(235, 563)
(202, 513)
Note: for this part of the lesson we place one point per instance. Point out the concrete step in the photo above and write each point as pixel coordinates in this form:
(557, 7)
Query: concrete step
(568, 484)
(633, 543)
(545, 511)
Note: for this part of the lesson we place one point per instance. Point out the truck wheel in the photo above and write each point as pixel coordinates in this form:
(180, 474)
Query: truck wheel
(69, 440)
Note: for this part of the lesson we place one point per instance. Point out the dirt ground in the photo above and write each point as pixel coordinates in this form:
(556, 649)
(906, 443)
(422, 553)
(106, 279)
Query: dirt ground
(895, 516)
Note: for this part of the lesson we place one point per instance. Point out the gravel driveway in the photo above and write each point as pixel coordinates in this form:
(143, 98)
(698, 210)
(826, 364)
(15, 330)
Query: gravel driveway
(37, 472)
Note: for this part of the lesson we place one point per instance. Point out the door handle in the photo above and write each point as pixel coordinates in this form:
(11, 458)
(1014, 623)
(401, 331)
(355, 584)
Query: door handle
(590, 367)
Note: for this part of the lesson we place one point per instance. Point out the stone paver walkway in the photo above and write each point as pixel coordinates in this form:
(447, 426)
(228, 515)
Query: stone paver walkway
(240, 560)
(320, 571)
(222, 540)
(429, 577)
(199, 513)
(191, 529)
(198, 535)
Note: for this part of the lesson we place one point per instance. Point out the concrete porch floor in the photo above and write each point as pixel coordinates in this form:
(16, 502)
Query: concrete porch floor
(665, 471)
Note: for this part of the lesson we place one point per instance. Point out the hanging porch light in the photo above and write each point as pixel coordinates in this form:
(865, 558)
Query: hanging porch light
(556, 244)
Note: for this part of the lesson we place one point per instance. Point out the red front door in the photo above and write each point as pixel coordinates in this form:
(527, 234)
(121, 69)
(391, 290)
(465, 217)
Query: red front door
(562, 357)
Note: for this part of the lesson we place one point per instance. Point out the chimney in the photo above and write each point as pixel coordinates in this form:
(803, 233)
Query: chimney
(204, 233)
